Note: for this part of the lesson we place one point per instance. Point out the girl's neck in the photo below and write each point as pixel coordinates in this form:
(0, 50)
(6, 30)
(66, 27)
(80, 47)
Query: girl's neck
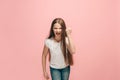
(58, 39)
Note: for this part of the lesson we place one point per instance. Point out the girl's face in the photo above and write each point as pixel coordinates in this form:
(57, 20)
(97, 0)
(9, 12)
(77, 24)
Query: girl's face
(57, 29)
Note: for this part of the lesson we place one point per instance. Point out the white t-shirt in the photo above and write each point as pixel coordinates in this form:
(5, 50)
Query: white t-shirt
(57, 58)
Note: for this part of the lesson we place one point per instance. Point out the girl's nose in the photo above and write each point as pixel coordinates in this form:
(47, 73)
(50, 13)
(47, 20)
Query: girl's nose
(58, 30)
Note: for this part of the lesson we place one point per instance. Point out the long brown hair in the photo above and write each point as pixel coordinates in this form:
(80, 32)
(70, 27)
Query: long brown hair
(67, 56)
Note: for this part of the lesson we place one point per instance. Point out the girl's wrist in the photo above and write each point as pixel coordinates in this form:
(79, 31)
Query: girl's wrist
(68, 35)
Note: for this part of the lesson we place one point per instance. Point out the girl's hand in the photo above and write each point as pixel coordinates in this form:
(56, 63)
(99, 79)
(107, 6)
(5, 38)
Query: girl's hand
(68, 31)
(46, 76)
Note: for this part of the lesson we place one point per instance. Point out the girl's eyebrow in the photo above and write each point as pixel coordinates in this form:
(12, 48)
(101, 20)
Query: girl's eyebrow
(57, 28)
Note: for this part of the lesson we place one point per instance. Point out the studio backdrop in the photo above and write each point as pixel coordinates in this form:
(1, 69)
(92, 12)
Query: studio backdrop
(95, 24)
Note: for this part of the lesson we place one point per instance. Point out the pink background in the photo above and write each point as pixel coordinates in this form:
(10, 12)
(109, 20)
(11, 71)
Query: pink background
(24, 24)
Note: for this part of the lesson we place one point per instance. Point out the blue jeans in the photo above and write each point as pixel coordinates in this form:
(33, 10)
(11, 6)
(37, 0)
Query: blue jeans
(60, 74)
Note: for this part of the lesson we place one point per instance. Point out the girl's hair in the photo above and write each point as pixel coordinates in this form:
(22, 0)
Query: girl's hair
(67, 56)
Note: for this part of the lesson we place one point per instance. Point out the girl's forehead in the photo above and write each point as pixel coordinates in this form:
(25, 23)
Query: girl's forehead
(57, 25)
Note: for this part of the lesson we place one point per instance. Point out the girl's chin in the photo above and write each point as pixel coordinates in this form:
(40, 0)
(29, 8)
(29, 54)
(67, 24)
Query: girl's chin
(57, 35)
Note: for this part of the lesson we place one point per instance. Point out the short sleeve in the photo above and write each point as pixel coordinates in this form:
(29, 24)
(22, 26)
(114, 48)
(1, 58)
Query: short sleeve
(46, 42)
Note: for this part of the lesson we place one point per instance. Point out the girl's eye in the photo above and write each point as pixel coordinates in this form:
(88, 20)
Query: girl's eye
(57, 28)
(54, 28)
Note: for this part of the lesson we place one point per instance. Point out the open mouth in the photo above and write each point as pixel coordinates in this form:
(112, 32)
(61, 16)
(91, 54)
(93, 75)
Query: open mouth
(58, 34)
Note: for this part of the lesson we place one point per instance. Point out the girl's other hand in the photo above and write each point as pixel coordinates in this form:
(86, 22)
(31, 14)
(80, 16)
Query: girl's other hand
(46, 76)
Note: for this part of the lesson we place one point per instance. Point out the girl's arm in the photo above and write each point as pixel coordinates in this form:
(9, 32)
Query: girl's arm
(70, 45)
(44, 55)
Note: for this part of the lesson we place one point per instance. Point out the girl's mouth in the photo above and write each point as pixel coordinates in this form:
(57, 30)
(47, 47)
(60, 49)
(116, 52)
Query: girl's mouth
(57, 33)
